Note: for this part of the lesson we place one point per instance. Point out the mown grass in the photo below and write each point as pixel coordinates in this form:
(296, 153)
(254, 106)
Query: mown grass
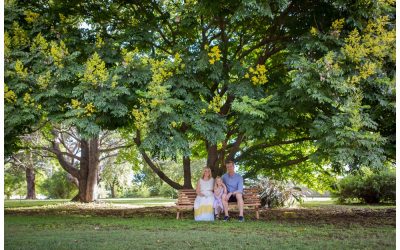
(128, 201)
(155, 232)
(333, 204)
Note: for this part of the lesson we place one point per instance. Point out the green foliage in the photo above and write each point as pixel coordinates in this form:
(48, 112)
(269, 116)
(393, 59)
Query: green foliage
(346, 73)
(14, 183)
(58, 187)
(368, 186)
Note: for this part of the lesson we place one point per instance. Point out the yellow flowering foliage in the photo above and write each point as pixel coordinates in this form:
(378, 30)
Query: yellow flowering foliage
(215, 104)
(141, 118)
(158, 94)
(39, 42)
(174, 124)
(338, 24)
(90, 109)
(20, 70)
(387, 2)
(258, 75)
(376, 40)
(20, 36)
(62, 17)
(7, 43)
(353, 49)
(337, 27)
(129, 56)
(164, 69)
(99, 41)
(75, 104)
(160, 71)
(31, 16)
(114, 82)
(367, 70)
(95, 72)
(214, 54)
(28, 99)
(177, 63)
(58, 52)
(314, 31)
(44, 80)
(9, 95)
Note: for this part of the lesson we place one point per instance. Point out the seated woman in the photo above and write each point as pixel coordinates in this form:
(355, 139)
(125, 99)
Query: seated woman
(203, 205)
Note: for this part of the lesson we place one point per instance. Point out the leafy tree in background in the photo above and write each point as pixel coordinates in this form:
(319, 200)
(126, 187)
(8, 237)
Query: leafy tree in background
(29, 161)
(116, 176)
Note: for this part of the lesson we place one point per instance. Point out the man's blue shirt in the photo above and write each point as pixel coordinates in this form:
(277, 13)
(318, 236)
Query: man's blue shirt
(233, 183)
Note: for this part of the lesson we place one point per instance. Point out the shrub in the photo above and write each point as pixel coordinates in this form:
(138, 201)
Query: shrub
(168, 192)
(368, 186)
(58, 186)
(278, 193)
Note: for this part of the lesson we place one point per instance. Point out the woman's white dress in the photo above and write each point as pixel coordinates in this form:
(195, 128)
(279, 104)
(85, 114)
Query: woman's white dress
(203, 205)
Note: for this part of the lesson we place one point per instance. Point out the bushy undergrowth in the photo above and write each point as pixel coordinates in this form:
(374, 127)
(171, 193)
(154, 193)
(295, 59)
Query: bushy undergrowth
(368, 186)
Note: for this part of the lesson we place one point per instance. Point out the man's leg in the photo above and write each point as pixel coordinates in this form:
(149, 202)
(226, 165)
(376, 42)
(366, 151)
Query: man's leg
(225, 203)
(239, 198)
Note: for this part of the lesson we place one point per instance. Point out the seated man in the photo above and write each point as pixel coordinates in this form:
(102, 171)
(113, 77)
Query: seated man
(234, 185)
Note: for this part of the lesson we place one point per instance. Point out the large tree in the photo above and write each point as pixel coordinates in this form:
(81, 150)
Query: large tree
(215, 79)
(243, 80)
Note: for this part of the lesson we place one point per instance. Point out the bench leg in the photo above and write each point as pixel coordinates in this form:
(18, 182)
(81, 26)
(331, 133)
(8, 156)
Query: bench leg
(257, 214)
(177, 215)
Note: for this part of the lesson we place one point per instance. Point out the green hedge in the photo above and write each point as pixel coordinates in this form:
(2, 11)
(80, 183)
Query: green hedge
(368, 186)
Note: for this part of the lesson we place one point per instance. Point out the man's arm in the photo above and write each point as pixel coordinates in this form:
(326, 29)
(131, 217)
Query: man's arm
(240, 185)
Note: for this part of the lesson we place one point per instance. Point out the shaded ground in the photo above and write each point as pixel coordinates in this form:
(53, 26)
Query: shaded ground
(327, 214)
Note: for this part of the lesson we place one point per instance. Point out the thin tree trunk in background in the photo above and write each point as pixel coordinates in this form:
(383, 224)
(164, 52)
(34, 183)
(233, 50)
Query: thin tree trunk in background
(113, 190)
(30, 183)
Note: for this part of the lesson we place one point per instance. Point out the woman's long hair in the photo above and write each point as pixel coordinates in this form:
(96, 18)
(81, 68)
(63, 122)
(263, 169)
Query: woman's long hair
(204, 170)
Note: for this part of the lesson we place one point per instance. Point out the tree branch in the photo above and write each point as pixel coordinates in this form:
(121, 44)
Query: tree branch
(64, 164)
(153, 167)
(272, 144)
(115, 148)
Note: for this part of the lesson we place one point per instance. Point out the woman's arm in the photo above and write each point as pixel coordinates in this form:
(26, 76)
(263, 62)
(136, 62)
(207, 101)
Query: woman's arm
(198, 192)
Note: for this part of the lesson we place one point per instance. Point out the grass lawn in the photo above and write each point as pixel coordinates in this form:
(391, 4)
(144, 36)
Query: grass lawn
(128, 201)
(333, 204)
(87, 232)
(315, 226)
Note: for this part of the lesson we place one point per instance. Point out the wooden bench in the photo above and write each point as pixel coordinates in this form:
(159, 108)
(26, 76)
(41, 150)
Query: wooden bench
(186, 199)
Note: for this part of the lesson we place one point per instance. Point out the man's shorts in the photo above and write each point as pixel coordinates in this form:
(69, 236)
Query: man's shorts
(232, 198)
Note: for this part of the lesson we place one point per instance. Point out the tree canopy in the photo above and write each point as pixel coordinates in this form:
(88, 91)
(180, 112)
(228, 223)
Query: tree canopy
(269, 84)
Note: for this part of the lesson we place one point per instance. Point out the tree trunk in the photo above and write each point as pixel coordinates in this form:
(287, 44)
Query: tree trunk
(216, 158)
(187, 175)
(113, 190)
(88, 171)
(30, 183)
